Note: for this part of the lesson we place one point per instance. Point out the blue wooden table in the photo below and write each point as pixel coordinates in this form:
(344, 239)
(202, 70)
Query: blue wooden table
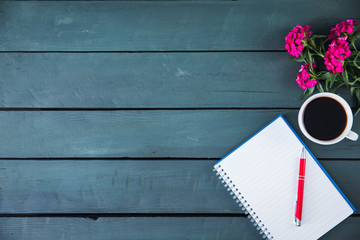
(113, 113)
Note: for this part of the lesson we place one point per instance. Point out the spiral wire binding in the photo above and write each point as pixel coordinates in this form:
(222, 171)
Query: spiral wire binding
(245, 206)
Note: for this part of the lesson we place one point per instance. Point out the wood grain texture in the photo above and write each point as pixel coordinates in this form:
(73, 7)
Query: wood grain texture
(154, 26)
(135, 0)
(140, 186)
(148, 80)
(130, 228)
(145, 133)
(231, 228)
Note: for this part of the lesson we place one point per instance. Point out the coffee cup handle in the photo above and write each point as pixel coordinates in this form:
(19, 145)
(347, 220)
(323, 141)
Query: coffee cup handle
(352, 136)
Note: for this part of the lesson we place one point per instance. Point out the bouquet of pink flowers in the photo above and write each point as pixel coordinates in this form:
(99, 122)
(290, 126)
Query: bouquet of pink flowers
(330, 62)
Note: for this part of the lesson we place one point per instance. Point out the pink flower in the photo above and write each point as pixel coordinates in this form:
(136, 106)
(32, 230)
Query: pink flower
(294, 40)
(343, 27)
(303, 77)
(336, 54)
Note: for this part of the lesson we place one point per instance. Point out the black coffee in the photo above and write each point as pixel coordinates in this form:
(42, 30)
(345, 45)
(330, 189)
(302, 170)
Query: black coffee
(325, 118)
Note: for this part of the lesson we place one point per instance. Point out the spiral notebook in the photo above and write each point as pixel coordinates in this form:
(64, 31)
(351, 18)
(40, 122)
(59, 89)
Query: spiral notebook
(262, 176)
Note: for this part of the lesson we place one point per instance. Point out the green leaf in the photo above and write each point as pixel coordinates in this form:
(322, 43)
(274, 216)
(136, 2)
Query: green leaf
(299, 59)
(345, 76)
(327, 75)
(327, 84)
(355, 36)
(319, 87)
(357, 111)
(322, 46)
(308, 92)
(332, 78)
(353, 44)
(351, 72)
(334, 89)
(355, 60)
(309, 58)
(352, 89)
(353, 39)
(357, 94)
(324, 75)
(355, 80)
(312, 41)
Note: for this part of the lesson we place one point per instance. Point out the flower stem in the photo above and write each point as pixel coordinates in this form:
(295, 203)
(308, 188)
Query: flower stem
(314, 49)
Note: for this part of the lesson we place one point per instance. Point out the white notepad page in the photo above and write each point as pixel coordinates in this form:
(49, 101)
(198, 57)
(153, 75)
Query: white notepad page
(265, 171)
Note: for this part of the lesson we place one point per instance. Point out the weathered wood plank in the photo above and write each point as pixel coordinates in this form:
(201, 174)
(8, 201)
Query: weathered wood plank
(109, 26)
(149, 228)
(129, 228)
(148, 80)
(135, 0)
(145, 133)
(349, 229)
(138, 186)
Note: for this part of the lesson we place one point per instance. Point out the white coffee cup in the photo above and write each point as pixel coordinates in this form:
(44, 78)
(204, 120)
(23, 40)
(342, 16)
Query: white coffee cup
(347, 133)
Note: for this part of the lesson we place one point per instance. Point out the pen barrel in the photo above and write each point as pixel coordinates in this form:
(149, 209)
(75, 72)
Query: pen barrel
(300, 194)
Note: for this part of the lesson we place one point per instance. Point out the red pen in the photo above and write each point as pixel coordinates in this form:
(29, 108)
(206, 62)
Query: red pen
(300, 193)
